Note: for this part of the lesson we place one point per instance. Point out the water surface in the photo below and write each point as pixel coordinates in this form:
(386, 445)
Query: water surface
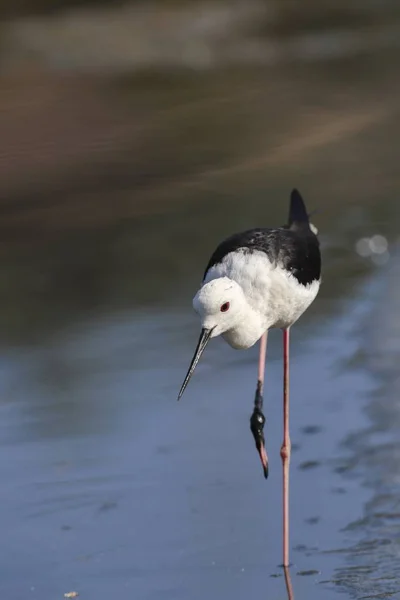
(110, 487)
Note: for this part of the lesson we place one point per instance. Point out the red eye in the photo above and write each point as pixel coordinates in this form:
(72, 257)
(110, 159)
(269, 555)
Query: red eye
(225, 307)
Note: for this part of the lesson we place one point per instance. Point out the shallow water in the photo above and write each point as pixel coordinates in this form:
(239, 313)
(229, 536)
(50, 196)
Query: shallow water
(112, 488)
(115, 489)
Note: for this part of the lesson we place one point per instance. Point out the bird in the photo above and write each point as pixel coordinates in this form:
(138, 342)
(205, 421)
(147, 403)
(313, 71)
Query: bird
(257, 280)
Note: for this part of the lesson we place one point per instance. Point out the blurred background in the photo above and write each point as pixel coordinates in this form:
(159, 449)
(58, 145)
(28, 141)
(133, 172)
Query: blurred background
(134, 136)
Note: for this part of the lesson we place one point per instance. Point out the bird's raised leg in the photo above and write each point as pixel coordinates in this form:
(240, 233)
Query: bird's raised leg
(285, 449)
(257, 419)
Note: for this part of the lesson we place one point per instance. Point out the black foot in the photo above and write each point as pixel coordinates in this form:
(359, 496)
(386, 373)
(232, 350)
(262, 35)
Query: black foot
(257, 422)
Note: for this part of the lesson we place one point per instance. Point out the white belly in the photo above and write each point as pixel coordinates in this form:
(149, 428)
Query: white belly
(289, 299)
(272, 291)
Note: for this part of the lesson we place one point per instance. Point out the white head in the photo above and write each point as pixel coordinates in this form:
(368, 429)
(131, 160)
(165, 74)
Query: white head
(223, 309)
(221, 305)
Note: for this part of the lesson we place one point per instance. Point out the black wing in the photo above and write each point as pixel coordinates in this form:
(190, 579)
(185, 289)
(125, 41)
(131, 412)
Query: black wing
(298, 216)
(296, 251)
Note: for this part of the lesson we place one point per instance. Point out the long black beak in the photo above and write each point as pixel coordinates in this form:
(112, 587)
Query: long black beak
(202, 343)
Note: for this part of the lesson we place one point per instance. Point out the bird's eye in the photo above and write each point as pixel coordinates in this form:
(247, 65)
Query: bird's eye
(225, 306)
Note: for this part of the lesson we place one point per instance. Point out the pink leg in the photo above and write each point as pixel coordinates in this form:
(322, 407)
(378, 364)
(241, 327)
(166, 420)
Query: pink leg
(261, 361)
(285, 449)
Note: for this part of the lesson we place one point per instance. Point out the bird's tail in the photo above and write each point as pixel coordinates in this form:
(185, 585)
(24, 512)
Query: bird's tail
(298, 216)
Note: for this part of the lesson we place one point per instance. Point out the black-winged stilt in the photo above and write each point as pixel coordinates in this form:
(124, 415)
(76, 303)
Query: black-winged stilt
(257, 280)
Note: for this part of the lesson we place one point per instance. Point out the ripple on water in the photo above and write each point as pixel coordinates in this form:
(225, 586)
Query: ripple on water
(372, 565)
(309, 464)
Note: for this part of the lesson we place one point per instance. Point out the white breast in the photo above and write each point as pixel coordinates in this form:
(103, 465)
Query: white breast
(270, 289)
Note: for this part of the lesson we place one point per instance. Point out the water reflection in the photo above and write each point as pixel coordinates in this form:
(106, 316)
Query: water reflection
(115, 189)
(288, 583)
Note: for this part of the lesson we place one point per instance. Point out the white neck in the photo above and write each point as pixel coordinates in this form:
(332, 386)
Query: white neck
(247, 331)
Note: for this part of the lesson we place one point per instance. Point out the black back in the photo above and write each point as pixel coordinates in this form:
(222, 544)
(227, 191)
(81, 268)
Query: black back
(294, 247)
